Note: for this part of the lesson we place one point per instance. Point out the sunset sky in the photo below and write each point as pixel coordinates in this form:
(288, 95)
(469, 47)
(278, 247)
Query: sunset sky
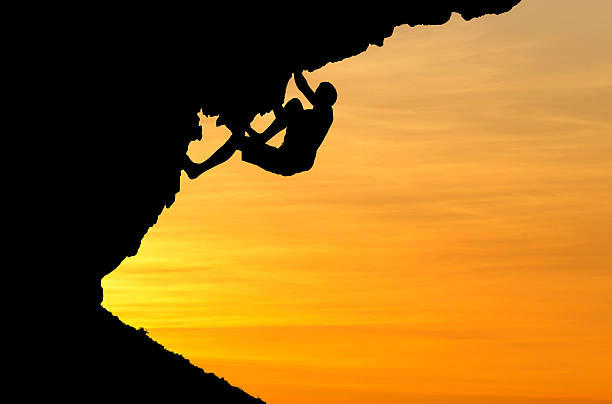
(452, 243)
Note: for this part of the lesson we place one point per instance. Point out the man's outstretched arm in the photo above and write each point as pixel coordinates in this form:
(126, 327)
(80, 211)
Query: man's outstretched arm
(302, 85)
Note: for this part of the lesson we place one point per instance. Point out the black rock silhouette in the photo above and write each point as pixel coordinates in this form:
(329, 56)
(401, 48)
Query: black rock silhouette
(119, 89)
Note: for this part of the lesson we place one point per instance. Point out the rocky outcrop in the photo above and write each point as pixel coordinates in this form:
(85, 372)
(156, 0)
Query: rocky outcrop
(119, 89)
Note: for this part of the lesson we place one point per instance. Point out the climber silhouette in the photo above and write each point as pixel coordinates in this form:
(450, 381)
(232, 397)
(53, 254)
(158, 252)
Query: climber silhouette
(306, 129)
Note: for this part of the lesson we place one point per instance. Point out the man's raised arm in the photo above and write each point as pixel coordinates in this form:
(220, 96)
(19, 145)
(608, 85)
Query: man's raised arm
(302, 85)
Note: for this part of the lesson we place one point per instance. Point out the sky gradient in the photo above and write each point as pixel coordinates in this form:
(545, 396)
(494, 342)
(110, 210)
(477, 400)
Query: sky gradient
(450, 245)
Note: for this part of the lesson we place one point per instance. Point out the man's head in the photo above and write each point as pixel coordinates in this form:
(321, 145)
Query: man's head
(326, 94)
(293, 107)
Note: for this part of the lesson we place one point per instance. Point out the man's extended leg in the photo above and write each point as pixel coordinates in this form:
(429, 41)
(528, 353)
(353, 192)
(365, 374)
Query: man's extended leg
(194, 170)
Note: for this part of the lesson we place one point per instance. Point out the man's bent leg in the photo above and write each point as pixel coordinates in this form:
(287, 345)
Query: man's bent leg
(224, 153)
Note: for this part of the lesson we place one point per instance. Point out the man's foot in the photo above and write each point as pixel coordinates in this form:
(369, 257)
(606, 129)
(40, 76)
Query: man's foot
(191, 169)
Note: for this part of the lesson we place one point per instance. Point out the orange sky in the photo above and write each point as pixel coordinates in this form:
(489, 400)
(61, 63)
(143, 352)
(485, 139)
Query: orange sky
(451, 244)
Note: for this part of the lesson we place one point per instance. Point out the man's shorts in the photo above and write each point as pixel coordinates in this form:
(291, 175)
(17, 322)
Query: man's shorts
(282, 160)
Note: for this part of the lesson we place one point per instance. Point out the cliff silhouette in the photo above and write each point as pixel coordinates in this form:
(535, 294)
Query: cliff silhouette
(119, 90)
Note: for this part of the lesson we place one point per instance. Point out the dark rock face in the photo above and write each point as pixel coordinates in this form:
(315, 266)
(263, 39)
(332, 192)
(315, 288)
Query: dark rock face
(120, 89)
(145, 366)
(137, 78)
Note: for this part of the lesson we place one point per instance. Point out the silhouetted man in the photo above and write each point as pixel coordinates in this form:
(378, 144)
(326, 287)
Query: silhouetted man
(306, 130)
